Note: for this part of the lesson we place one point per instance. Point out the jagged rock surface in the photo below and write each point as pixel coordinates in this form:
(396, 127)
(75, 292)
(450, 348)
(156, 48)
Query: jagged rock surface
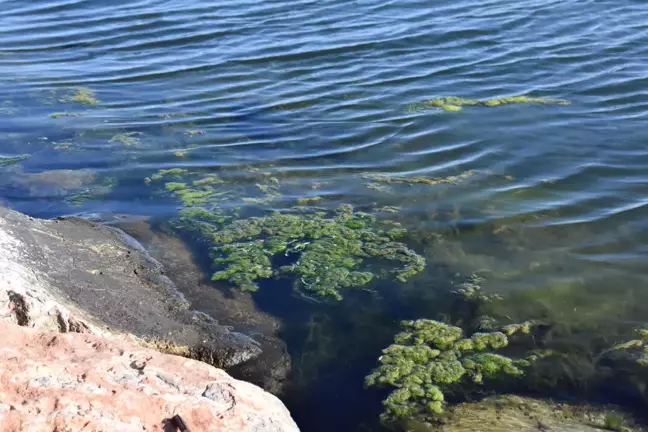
(75, 381)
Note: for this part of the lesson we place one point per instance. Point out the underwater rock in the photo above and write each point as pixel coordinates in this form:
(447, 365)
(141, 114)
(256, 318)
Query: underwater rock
(236, 309)
(74, 275)
(53, 183)
(74, 382)
(524, 414)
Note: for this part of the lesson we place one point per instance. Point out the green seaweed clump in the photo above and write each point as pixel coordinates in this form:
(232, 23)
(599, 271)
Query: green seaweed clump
(128, 138)
(12, 160)
(639, 346)
(81, 95)
(453, 103)
(429, 357)
(428, 181)
(330, 254)
(168, 172)
(64, 114)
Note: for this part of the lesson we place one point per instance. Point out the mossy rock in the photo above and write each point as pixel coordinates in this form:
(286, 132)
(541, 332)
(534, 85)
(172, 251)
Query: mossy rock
(507, 413)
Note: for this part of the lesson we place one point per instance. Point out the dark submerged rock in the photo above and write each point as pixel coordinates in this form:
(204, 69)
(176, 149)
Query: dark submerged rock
(234, 309)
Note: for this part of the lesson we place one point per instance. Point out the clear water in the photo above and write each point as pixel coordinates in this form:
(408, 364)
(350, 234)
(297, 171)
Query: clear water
(316, 94)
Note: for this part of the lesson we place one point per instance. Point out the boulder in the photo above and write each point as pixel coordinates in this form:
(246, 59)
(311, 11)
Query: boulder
(526, 414)
(231, 307)
(74, 275)
(77, 381)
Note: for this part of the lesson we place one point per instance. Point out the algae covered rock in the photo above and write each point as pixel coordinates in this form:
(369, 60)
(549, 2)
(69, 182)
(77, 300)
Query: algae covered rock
(429, 356)
(327, 254)
(524, 414)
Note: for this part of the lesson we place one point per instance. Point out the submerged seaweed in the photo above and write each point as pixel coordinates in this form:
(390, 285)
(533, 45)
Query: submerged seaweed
(330, 253)
(453, 103)
(430, 356)
(428, 181)
(64, 114)
(12, 160)
(127, 138)
(81, 95)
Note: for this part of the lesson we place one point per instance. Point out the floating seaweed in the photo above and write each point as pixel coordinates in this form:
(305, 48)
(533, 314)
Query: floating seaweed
(64, 114)
(12, 160)
(81, 95)
(453, 103)
(127, 138)
(168, 172)
(309, 200)
(329, 253)
(376, 179)
(429, 356)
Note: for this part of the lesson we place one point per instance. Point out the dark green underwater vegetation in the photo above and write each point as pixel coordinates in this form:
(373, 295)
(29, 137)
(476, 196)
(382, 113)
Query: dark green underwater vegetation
(330, 252)
(257, 231)
(429, 356)
(433, 362)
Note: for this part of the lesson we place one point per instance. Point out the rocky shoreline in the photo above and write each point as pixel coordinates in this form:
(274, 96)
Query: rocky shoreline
(103, 288)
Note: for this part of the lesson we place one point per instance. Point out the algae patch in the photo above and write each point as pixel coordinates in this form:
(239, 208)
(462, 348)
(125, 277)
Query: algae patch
(81, 95)
(330, 253)
(12, 160)
(376, 179)
(430, 356)
(453, 103)
(127, 139)
(64, 114)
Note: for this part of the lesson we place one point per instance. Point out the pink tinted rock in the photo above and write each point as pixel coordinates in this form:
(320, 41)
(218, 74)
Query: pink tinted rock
(81, 382)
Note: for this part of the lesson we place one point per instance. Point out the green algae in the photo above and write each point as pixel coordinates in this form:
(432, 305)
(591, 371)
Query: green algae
(81, 95)
(174, 187)
(388, 209)
(168, 172)
(424, 180)
(430, 356)
(309, 201)
(209, 179)
(453, 103)
(12, 160)
(471, 290)
(128, 138)
(64, 114)
(94, 191)
(377, 186)
(639, 347)
(330, 253)
(79, 198)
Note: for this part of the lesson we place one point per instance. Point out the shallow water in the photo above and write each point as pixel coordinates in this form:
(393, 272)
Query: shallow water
(554, 213)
